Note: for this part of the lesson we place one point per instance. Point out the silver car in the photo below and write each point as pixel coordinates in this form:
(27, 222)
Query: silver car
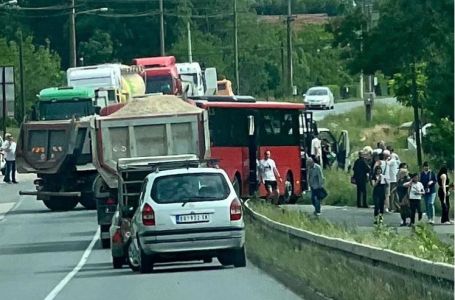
(187, 214)
(319, 97)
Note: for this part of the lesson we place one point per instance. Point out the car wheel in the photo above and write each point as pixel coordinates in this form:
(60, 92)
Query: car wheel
(117, 262)
(133, 257)
(61, 203)
(239, 258)
(146, 262)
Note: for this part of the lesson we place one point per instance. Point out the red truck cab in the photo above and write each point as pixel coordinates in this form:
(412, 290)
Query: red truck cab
(160, 74)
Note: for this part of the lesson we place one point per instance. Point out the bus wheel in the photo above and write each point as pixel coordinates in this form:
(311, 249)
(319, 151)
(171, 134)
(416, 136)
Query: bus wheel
(288, 189)
(237, 183)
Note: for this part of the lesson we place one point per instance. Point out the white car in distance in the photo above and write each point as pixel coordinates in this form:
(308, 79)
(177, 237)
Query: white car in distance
(187, 214)
(319, 97)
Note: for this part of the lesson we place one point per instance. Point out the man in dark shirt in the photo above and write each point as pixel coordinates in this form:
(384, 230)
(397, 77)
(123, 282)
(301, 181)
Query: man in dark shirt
(361, 170)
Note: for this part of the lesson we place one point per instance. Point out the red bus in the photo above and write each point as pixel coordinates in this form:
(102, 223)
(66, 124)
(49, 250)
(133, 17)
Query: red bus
(242, 129)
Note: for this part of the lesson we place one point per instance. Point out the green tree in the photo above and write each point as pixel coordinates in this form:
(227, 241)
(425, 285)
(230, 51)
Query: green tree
(98, 49)
(41, 68)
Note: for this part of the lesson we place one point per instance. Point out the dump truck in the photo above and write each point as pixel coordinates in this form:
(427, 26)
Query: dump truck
(126, 139)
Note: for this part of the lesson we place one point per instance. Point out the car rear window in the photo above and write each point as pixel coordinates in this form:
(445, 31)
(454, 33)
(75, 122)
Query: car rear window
(318, 92)
(191, 187)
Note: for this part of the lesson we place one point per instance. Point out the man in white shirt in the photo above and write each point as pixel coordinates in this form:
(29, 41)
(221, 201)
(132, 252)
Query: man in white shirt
(392, 172)
(268, 174)
(316, 149)
(9, 148)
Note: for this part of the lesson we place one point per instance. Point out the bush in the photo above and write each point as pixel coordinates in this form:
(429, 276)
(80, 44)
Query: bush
(335, 91)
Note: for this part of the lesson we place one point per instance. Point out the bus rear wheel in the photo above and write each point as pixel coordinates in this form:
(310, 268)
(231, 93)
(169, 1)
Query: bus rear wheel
(237, 184)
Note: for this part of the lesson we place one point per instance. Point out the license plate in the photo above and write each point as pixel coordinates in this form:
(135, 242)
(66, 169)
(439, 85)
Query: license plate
(192, 218)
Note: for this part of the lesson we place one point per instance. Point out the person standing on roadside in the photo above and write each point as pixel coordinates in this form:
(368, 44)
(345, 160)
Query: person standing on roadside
(361, 171)
(9, 147)
(443, 194)
(316, 183)
(316, 149)
(392, 167)
(403, 193)
(378, 194)
(428, 180)
(385, 166)
(416, 191)
(268, 174)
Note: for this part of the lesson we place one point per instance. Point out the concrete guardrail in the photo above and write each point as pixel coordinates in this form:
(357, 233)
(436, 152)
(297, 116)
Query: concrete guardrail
(408, 262)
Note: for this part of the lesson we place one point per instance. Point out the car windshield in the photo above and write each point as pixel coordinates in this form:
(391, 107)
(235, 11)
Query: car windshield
(317, 92)
(190, 188)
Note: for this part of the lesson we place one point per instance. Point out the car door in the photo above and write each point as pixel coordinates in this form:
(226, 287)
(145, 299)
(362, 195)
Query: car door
(343, 152)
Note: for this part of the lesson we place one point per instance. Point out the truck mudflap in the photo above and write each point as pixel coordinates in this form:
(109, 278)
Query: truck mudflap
(50, 194)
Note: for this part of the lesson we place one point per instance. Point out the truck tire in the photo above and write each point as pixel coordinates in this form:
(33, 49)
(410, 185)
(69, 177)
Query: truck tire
(58, 203)
(88, 202)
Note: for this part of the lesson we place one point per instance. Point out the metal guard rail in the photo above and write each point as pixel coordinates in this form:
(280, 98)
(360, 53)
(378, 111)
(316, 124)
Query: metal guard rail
(408, 262)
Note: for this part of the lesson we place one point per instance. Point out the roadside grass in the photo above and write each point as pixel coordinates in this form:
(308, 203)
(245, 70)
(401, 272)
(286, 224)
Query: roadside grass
(383, 126)
(422, 242)
(303, 265)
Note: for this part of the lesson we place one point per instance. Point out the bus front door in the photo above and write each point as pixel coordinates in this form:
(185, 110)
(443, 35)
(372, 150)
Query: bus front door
(252, 155)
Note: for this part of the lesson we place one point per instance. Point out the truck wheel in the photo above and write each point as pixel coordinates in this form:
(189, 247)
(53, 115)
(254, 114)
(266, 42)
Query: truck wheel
(146, 263)
(88, 202)
(61, 203)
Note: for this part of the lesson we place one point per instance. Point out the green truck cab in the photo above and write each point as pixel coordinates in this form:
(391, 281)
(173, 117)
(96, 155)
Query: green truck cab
(62, 103)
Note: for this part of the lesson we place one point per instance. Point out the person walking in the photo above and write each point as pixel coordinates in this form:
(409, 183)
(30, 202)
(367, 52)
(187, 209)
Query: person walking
(316, 183)
(416, 191)
(403, 193)
(268, 174)
(443, 194)
(428, 180)
(378, 194)
(9, 148)
(361, 171)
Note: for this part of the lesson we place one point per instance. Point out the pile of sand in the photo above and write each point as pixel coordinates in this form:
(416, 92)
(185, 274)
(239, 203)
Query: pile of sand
(160, 104)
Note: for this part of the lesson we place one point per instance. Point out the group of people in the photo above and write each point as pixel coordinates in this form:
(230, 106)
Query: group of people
(8, 154)
(396, 189)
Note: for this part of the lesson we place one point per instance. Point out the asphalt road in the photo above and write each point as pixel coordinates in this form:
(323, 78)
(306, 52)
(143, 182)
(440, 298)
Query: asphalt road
(53, 255)
(347, 106)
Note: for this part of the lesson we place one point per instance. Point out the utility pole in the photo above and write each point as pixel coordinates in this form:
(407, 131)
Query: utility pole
(283, 68)
(4, 102)
(162, 28)
(188, 29)
(72, 33)
(21, 78)
(236, 51)
(415, 105)
(368, 97)
(290, 77)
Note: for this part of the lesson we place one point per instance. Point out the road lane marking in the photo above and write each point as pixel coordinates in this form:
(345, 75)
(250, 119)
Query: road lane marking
(4, 208)
(76, 269)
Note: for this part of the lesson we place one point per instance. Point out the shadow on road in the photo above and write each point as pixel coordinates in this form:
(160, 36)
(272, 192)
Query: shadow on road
(30, 248)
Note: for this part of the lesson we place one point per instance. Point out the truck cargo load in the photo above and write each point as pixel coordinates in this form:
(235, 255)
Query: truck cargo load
(143, 129)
